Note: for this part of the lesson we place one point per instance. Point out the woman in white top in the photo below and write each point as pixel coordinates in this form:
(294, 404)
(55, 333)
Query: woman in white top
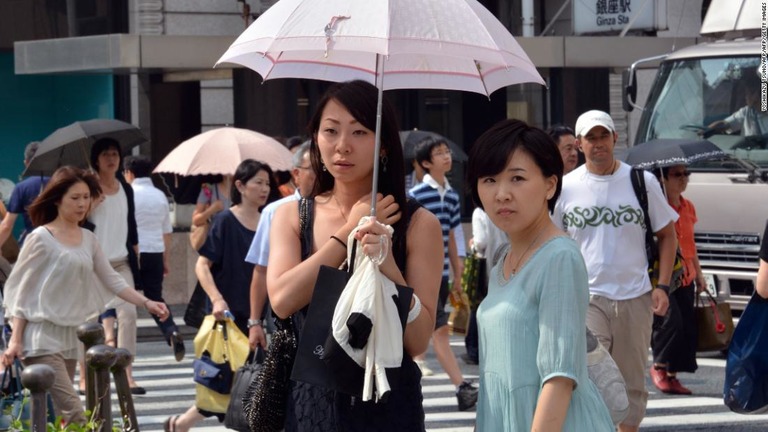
(114, 222)
(52, 289)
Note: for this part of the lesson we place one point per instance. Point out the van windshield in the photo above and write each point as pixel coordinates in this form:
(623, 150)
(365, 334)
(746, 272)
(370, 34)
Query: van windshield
(715, 98)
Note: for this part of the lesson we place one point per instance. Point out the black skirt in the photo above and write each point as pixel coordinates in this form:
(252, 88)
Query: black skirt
(316, 409)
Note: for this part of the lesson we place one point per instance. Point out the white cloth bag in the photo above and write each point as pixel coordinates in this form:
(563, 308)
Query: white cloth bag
(369, 293)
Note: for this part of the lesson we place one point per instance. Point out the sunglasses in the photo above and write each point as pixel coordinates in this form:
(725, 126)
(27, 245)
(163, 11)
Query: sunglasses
(685, 173)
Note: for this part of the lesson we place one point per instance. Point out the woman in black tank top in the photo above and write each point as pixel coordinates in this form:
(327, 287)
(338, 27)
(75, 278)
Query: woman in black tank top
(342, 154)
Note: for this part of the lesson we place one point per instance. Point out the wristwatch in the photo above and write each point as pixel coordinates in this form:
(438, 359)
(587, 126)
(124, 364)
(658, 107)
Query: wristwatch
(254, 322)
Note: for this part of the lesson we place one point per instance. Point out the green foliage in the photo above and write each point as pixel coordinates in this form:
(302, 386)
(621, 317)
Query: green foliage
(92, 425)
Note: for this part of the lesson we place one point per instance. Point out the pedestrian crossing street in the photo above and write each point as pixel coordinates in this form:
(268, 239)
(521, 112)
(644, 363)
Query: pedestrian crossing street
(170, 391)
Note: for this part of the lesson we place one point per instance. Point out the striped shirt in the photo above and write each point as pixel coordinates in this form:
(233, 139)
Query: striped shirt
(445, 206)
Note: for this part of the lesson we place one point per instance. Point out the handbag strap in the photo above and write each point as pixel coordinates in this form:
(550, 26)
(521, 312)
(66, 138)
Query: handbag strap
(719, 325)
(15, 374)
(226, 341)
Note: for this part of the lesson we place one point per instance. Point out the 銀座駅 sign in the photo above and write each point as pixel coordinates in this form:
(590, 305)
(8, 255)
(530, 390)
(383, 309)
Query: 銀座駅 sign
(599, 16)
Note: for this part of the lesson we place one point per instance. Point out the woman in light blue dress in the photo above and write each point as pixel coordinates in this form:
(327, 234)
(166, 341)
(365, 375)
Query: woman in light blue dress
(533, 357)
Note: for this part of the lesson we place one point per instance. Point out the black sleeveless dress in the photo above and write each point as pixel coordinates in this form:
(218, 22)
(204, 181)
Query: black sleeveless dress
(318, 409)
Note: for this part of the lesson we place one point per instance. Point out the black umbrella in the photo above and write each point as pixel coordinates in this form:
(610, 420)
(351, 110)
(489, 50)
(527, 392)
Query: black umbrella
(660, 153)
(71, 145)
(410, 138)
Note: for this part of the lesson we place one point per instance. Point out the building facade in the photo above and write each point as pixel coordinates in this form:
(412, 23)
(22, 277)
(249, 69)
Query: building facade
(149, 62)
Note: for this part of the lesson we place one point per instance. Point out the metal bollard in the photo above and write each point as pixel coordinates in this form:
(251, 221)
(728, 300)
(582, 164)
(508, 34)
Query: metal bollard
(123, 360)
(100, 358)
(90, 334)
(38, 379)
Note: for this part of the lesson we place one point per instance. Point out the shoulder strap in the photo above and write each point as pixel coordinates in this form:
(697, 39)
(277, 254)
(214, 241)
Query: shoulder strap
(306, 216)
(641, 192)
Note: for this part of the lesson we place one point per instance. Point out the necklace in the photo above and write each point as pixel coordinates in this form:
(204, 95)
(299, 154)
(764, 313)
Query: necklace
(517, 266)
(339, 206)
(612, 170)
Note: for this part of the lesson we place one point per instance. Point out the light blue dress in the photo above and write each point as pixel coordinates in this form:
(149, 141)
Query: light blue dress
(531, 329)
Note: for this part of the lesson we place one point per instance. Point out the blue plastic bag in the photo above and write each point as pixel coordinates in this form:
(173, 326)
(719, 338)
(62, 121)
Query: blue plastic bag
(746, 370)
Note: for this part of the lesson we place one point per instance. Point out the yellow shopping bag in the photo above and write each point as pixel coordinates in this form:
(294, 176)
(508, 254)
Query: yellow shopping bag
(223, 342)
(458, 320)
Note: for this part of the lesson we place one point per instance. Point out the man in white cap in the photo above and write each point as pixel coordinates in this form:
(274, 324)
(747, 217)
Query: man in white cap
(599, 209)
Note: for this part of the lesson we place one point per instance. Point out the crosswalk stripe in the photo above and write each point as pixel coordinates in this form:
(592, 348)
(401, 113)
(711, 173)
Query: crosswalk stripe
(171, 391)
(710, 419)
(688, 402)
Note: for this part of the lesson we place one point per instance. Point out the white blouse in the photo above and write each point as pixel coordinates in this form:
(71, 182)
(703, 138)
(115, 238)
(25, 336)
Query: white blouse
(52, 287)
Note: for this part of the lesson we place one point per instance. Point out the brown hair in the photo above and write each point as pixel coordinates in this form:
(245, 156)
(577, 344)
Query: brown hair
(44, 209)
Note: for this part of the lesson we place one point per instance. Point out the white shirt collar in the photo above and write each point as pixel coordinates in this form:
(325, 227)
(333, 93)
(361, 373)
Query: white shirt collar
(142, 181)
(441, 189)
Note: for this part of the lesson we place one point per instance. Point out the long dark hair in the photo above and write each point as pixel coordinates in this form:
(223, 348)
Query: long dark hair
(44, 208)
(246, 171)
(359, 98)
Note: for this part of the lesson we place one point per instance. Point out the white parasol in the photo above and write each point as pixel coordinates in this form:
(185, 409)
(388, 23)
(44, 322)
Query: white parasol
(394, 44)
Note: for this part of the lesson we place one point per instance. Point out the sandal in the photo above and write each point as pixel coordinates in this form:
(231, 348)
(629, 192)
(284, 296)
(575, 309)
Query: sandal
(110, 342)
(170, 424)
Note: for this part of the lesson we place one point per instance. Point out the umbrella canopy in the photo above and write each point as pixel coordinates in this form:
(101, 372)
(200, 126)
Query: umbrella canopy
(410, 138)
(450, 45)
(71, 145)
(394, 44)
(660, 153)
(220, 151)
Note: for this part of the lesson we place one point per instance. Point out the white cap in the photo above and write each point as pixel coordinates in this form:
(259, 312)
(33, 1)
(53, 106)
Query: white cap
(593, 118)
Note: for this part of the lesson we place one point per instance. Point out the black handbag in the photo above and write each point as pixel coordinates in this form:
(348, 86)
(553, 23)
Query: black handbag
(197, 308)
(235, 417)
(12, 404)
(215, 376)
(266, 398)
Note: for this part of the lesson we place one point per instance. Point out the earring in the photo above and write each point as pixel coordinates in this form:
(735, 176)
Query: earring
(323, 165)
(383, 161)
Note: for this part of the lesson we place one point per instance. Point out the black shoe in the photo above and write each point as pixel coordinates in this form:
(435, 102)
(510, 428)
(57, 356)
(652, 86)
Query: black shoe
(467, 396)
(138, 390)
(469, 360)
(177, 343)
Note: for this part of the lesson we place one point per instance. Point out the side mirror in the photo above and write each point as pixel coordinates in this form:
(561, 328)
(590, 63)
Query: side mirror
(629, 89)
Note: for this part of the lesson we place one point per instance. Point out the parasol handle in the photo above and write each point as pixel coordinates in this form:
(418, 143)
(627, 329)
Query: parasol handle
(377, 136)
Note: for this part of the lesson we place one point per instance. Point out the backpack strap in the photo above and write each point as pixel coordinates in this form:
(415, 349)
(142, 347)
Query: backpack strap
(641, 192)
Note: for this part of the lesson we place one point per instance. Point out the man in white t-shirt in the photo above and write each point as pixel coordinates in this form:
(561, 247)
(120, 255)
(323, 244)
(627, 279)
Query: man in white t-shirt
(598, 208)
(153, 225)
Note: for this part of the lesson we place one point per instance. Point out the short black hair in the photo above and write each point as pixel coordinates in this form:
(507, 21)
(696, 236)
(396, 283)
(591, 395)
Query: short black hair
(139, 165)
(246, 171)
(423, 150)
(556, 131)
(294, 141)
(101, 145)
(491, 152)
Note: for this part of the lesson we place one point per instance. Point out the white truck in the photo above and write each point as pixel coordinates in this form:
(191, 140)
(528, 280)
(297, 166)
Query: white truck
(695, 91)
